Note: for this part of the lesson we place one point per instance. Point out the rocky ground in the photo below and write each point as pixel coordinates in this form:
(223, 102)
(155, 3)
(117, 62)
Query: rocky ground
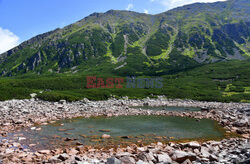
(15, 114)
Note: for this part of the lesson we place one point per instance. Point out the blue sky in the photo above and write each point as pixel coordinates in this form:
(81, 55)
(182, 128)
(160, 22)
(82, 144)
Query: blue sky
(22, 19)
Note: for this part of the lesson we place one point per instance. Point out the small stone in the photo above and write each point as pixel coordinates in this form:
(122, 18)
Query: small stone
(9, 151)
(62, 102)
(63, 157)
(19, 122)
(15, 144)
(83, 136)
(77, 158)
(104, 130)
(79, 143)
(196, 151)
(95, 161)
(81, 149)
(21, 138)
(247, 136)
(28, 159)
(31, 145)
(33, 128)
(70, 139)
(44, 151)
(159, 144)
(122, 154)
(105, 136)
(72, 151)
(63, 130)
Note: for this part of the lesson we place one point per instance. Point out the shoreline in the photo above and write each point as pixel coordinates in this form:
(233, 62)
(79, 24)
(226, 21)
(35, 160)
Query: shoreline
(16, 114)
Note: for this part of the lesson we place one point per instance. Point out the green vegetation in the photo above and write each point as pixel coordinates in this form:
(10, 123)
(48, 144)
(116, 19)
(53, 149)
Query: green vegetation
(158, 42)
(205, 83)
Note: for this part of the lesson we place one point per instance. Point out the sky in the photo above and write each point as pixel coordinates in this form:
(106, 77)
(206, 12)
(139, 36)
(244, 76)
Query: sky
(22, 19)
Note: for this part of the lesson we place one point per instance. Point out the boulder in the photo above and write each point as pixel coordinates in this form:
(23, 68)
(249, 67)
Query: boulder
(193, 144)
(181, 156)
(143, 156)
(127, 160)
(205, 152)
(164, 158)
(122, 154)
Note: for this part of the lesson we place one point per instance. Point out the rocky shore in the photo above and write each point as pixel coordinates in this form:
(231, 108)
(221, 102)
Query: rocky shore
(234, 117)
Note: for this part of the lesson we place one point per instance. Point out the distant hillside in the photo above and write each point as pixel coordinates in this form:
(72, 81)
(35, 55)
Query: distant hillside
(130, 43)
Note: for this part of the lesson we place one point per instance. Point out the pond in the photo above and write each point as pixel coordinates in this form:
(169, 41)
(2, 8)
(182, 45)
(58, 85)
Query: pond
(122, 129)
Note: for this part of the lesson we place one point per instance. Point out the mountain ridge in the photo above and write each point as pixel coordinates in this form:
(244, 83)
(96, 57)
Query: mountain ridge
(131, 43)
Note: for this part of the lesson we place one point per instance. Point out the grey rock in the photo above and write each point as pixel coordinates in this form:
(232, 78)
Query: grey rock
(141, 162)
(113, 160)
(164, 158)
(204, 152)
(54, 159)
(192, 145)
(63, 157)
(143, 156)
(181, 156)
(127, 160)
(213, 158)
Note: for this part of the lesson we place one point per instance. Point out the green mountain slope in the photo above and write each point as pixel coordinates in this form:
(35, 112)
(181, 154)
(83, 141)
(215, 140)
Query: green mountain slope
(130, 43)
(211, 82)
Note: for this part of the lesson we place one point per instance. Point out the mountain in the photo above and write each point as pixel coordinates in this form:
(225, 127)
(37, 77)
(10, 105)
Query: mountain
(130, 43)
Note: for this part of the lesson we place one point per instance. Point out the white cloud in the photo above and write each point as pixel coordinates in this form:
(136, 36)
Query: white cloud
(169, 4)
(8, 40)
(130, 6)
(145, 11)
